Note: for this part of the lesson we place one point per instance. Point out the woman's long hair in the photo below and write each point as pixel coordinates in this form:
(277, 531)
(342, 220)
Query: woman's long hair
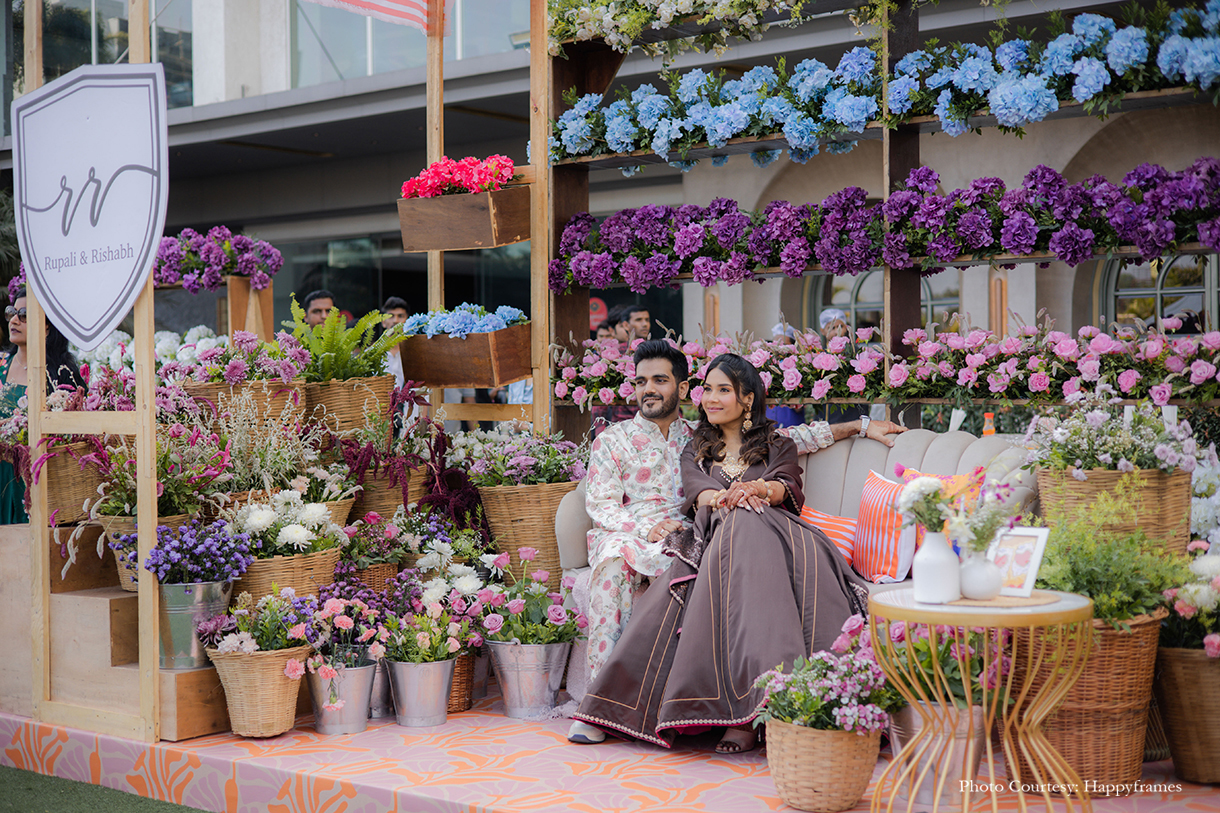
(709, 440)
(62, 368)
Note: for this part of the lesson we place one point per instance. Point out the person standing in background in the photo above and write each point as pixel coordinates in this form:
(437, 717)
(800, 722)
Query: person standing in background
(318, 305)
(785, 415)
(394, 312)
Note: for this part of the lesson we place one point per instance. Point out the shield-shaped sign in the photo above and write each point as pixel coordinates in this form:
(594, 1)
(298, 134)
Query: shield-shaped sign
(91, 185)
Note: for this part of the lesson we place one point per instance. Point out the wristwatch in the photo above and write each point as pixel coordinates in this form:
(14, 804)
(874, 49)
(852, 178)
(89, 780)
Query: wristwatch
(864, 422)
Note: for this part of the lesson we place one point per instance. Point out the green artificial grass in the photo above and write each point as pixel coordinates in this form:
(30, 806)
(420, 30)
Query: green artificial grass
(27, 792)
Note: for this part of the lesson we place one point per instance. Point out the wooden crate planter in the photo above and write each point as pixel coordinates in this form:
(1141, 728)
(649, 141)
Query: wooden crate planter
(457, 222)
(480, 360)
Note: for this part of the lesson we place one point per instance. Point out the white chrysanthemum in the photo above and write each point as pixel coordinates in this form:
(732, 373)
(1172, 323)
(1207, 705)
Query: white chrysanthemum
(458, 569)
(313, 514)
(294, 536)
(468, 584)
(443, 549)
(433, 594)
(286, 498)
(1200, 595)
(1206, 566)
(238, 642)
(916, 490)
(258, 519)
(429, 561)
(198, 332)
(115, 360)
(489, 561)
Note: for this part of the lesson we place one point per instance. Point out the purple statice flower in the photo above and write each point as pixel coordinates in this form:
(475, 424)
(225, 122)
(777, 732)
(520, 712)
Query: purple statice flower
(616, 232)
(706, 271)
(576, 233)
(923, 179)
(974, 228)
(730, 228)
(1019, 234)
(1072, 244)
(689, 239)
(235, 371)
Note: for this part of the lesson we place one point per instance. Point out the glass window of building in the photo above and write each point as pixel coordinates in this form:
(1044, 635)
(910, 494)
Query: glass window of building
(172, 44)
(1184, 286)
(862, 298)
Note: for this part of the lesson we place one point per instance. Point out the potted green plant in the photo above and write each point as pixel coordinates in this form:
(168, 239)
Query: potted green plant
(1188, 671)
(824, 721)
(345, 376)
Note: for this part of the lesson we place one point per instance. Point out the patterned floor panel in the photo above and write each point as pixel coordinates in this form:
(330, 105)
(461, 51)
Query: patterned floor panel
(478, 762)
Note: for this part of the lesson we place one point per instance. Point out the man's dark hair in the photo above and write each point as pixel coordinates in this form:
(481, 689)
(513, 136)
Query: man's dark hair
(321, 293)
(661, 349)
(632, 310)
(393, 303)
(617, 314)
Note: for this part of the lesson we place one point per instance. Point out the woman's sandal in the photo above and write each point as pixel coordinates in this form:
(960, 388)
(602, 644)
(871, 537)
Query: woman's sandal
(737, 741)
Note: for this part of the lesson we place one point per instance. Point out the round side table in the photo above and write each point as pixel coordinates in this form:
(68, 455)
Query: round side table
(945, 758)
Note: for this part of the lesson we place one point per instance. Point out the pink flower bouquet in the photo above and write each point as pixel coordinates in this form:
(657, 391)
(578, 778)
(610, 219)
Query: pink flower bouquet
(531, 611)
(449, 177)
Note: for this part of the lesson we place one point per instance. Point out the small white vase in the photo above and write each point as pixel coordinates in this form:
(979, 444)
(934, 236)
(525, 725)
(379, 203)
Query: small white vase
(981, 577)
(936, 571)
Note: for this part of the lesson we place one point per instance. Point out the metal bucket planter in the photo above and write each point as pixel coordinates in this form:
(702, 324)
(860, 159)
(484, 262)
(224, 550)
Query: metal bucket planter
(421, 691)
(381, 701)
(529, 675)
(482, 668)
(947, 737)
(180, 607)
(348, 697)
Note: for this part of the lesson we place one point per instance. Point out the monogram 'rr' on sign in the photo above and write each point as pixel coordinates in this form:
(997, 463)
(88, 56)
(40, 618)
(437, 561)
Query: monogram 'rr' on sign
(91, 183)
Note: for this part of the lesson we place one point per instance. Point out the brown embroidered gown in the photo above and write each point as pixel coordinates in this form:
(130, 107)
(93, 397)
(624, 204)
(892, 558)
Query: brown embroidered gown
(746, 593)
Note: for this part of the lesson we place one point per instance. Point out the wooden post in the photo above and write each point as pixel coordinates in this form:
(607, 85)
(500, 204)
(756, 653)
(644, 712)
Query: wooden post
(33, 45)
(542, 223)
(435, 132)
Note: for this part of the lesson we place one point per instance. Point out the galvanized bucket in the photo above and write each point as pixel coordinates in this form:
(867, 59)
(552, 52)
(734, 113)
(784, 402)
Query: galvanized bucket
(347, 697)
(182, 605)
(381, 703)
(529, 675)
(421, 691)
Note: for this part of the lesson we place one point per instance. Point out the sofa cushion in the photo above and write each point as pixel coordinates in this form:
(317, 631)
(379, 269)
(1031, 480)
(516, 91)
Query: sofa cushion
(839, 530)
(883, 548)
(572, 526)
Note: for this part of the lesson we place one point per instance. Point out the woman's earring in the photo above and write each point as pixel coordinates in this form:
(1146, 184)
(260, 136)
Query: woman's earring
(747, 425)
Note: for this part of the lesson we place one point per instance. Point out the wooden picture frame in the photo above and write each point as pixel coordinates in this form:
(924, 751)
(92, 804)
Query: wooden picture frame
(1018, 553)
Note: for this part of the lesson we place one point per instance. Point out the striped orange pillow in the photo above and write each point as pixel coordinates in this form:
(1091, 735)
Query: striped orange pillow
(883, 548)
(840, 530)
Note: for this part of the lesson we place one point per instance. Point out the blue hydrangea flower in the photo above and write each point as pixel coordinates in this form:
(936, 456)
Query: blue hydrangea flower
(726, 121)
(801, 155)
(629, 172)
(841, 147)
(699, 116)
(576, 135)
(650, 109)
(1202, 63)
(941, 77)
(510, 314)
(776, 110)
(621, 130)
(848, 109)
(857, 65)
(801, 132)
(1017, 100)
(976, 73)
(763, 158)
(719, 160)
(1128, 48)
(685, 166)
(900, 100)
(1060, 55)
(1172, 56)
(810, 77)
(667, 130)
(1013, 55)
(949, 122)
(1092, 27)
(587, 104)
(692, 87)
(1211, 17)
(913, 63)
(415, 323)
(1179, 19)
(1091, 77)
(758, 79)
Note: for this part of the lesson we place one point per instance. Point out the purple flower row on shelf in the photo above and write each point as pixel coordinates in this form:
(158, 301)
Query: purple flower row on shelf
(203, 261)
(1153, 209)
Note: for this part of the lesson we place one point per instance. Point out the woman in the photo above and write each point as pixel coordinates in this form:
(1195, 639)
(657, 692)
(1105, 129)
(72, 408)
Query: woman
(752, 587)
(61, 370)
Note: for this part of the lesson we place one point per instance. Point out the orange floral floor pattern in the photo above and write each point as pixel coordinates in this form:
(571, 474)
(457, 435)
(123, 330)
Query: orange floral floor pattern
(478, 762)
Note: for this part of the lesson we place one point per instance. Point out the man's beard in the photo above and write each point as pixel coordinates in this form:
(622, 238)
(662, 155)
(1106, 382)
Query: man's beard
(662, 409)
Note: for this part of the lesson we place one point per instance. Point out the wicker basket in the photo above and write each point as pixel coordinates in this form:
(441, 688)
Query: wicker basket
(820, 770)
(340, 510)
(262, 700)
(461, 693)
(341, 405)
(304, 573)
(125, 526)
(1188, 691)
(379, 495)
(1161, 509)
(69, 483)
(278, 402)
(239, 499)
(1100, 727)
(415, 486)
(375, 576)
(1156, 745)
(524, 516)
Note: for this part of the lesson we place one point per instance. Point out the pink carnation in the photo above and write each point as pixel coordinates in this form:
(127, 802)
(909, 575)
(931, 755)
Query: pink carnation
(298, 631)
(1185, 610)
(1211, 645)
(294, 669)
(327, 672)
(344, 622)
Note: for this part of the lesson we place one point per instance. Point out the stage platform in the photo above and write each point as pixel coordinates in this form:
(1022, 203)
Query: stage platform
(478, 762)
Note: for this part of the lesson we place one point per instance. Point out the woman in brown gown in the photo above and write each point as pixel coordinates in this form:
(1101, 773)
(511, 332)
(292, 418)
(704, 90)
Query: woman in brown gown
(752, 587)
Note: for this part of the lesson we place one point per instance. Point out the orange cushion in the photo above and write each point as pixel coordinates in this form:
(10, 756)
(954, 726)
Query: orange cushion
(883, 548)
(840, 530)
(959, 488)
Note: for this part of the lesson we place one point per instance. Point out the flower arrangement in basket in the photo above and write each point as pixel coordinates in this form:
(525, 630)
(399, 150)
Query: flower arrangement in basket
(436, 540)
(824, 721)
(464, 320)
(267, 453)
(332, 485)
(1194, 607)
(529, 611)
(298, 545)
(246, 359)
(192, 554)
(373, 540)
(200, 261)
(449, 177)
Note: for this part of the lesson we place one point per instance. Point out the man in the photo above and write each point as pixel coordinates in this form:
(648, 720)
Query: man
(631, 322)
(833, 323)
(604, 331)
(634, 494)
(318, 305)
(394, 312)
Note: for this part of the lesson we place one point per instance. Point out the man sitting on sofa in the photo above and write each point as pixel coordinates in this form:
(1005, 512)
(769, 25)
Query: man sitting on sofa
(634, 493)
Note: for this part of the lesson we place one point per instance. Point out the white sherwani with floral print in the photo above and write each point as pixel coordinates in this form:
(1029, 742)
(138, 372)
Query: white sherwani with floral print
(634, 481)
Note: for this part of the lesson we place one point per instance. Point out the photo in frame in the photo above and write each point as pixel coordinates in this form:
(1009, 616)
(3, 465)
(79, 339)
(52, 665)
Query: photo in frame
(1018, 554)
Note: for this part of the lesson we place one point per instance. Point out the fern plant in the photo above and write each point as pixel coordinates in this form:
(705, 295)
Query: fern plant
(337, 352)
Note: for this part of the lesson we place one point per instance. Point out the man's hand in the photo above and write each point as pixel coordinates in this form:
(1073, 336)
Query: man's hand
(882, 431)
(663, 529)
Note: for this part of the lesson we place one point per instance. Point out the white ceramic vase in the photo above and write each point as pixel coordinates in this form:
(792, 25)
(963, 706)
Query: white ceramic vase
(936, 571)
(981, 577)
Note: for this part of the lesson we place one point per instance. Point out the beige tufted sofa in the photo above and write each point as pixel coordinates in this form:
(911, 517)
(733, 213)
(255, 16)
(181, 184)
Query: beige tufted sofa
(834, 479)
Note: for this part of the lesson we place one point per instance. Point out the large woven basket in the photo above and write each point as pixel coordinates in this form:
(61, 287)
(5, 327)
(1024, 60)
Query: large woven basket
(69, 483)
(415, 486)
(375, 576)
(524, 517)
(304, 573)
(1188, 692)
(125, 526)
(461, 692)
(341, 405)
(277, 402)
(1161, 509)
(340, 510)
(262, 700)
(379, 495)
(1100, 727)
(1156, 745)
(237, 499)
(820, 770)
